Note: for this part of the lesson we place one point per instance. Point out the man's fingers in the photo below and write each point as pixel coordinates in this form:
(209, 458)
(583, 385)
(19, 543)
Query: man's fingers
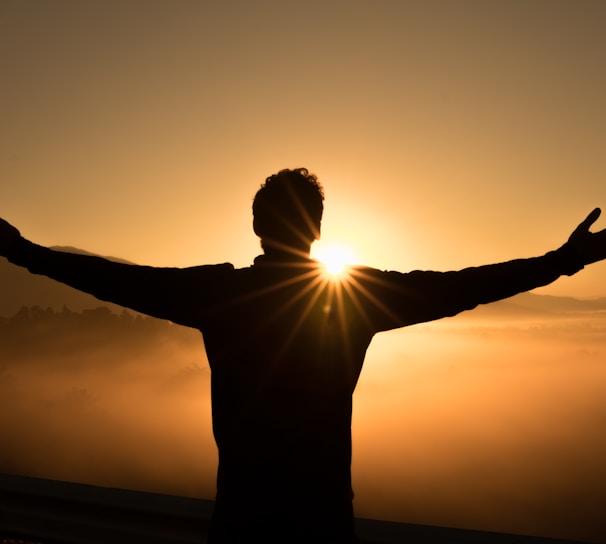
(584, 226)
(590, 220)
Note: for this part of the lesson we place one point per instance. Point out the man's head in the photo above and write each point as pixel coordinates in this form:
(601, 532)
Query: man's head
(287, 211)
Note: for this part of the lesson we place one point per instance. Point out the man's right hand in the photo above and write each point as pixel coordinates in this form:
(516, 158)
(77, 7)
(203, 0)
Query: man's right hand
(9, 236)
(590, 246)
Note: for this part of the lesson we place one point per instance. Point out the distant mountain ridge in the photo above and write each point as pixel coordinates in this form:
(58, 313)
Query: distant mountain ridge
(71, 249)
(532, 305)
(21, 288)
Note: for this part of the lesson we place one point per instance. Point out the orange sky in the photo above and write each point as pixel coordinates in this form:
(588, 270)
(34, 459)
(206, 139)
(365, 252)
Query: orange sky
(446, 133)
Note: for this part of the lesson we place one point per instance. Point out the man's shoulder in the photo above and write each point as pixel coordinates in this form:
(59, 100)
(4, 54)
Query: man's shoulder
(212, 268)
(372, 274)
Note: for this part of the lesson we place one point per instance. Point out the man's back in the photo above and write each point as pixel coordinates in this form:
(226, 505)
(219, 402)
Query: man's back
(286, 346)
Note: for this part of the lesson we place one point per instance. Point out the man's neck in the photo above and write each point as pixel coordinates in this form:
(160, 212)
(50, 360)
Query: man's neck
(288, 255)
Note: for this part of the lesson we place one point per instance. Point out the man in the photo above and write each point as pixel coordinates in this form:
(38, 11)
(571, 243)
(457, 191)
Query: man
(286, 345)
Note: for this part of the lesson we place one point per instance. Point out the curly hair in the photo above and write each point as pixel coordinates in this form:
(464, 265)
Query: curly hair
(288, 208)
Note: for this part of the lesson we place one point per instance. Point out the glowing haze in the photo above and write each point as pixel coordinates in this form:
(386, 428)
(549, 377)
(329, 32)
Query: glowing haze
(446, 134)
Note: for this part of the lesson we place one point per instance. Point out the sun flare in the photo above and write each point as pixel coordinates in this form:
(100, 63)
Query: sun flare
(334, 256)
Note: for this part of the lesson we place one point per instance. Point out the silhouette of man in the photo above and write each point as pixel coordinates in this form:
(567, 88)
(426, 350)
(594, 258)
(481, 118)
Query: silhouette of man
(286, 345)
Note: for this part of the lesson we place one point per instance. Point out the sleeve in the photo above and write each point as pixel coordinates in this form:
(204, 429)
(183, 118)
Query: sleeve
(393, 299)
(165, 293)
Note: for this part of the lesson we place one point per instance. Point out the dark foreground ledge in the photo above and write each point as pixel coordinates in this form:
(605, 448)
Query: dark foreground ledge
(55, 512)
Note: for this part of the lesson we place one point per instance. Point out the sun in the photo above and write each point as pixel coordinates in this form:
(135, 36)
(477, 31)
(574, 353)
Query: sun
(335, 256)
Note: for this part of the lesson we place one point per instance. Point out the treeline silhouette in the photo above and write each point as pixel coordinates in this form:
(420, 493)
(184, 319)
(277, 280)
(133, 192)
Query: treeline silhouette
(45, 332)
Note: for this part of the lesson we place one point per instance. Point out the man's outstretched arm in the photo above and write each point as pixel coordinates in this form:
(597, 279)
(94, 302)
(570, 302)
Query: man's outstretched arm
(406, 298)
(167, 293)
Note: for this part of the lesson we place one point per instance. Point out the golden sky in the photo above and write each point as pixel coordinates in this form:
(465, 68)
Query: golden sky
(446, 134)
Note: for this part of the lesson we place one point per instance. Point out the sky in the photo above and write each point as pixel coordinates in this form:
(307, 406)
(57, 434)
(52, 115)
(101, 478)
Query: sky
(446, 134)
